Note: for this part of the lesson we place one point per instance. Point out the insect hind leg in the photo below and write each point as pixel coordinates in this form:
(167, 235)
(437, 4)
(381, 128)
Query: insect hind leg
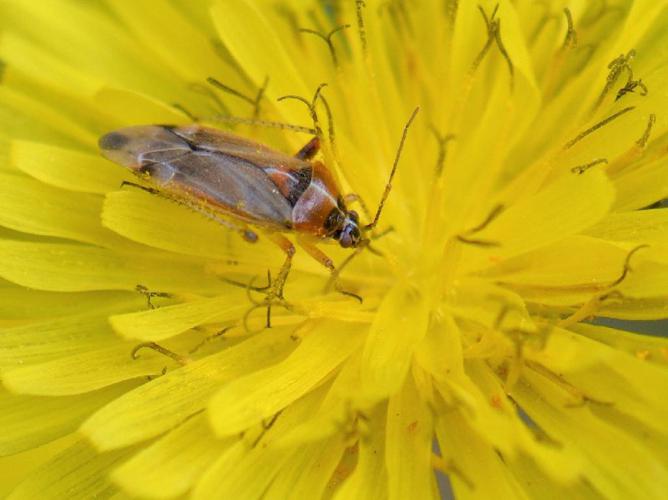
(274, 289)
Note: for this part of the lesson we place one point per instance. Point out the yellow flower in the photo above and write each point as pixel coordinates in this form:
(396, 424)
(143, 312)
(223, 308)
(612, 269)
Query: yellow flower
(515, 219)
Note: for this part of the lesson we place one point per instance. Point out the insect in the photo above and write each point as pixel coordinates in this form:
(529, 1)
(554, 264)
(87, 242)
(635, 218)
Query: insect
(246, 186)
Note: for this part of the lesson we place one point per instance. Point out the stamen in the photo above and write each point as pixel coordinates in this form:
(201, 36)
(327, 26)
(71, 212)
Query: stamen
(493, 35)
(359, 5)
(265, 428)
(571, 40)
(627, 266)
(617, 66)
(630, 86)
(465, 236)
(597, 126)
(443, 141)
(589, 308)
(504, 53)
(642, 142)
(206, 91)
(149, 294)
(185, 111)
(581, 169)
(581, 397)
(225, 88)
(255, 102)
(451, 8)
(327, 39)
(488, 44)
(210, 338)
(635, 152)
(258, 98)
(182, 360)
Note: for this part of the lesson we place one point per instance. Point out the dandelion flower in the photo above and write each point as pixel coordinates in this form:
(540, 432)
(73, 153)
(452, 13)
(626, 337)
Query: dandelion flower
(513, 220)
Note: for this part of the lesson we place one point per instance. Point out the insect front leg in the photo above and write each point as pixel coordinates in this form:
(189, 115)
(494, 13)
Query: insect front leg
(326, 261)
(353, 198)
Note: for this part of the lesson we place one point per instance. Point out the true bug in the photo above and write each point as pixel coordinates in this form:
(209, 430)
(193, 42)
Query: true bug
(241, 183)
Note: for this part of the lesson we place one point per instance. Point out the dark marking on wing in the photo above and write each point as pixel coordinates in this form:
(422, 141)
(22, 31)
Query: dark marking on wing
(113, 141)
(302, 179)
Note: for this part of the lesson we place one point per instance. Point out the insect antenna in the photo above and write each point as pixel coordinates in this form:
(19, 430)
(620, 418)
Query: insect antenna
(388, 186)
(317, 129)
(311, 107)
(238, 120)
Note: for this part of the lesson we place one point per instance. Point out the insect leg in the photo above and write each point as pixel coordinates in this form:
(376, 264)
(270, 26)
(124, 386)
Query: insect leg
(355, 198)
(139, 186)
(322, 257)
(289, 249)
(309, 150)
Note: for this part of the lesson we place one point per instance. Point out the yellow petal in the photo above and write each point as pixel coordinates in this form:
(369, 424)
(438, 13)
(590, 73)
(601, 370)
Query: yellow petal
(73, 268)
(32, 207)
(601, 445)
(14, 468)
(544, 218)
(43, 341)
(95, 48)
(21, 303)
(369, 478)
(607, 375)
(152, 220)
(575, 261)
(245, 401)
(166, 401)
(36, 62)
(134, 108)
(247, 33)
(168, 321)
(246, 469)
(409, 434)
(240, 472)
(79, 472)
(307, 473)
(164, 30)
(105, 365)
(40, 121)
(477, 471)
(23, 427)
(67, 168)
(400, 323)
(169, 467)
(641, 187)
(645, 347)
(646, 226)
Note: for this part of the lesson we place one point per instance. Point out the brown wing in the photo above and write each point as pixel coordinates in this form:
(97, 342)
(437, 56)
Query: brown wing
(201, 172)
(218, 140)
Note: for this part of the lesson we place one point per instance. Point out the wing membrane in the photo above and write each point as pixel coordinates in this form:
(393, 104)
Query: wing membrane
(202, 174)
